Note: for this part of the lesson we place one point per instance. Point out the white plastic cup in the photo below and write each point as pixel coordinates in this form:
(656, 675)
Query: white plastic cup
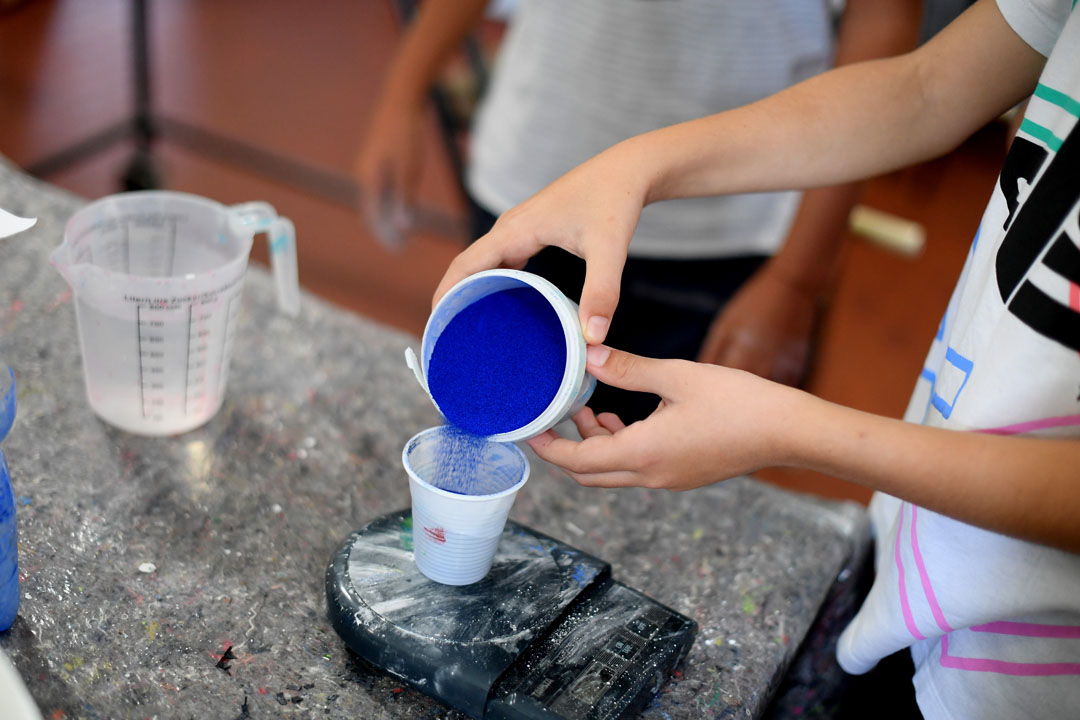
(157, 278)
(455, 536)
(577, 385)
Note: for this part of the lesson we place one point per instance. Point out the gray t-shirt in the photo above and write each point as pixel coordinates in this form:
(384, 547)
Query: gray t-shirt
(574, 78)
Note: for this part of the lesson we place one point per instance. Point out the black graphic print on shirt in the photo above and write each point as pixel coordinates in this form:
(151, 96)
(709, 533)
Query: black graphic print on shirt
(1037, 228)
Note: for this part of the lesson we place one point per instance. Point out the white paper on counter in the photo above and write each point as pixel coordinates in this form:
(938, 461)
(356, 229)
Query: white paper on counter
(12, 224)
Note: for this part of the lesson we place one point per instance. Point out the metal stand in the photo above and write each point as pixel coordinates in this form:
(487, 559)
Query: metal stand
(144, 127)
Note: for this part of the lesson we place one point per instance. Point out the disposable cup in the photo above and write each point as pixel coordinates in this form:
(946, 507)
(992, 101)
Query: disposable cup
(576, 386)
(455, 535)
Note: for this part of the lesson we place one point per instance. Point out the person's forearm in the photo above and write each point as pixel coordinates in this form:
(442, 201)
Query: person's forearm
(847, 124)
(1024, 487)
(811, 252)
(435, 33)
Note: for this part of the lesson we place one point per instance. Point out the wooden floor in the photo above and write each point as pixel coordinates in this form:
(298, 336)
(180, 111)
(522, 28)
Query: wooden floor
(295, 81)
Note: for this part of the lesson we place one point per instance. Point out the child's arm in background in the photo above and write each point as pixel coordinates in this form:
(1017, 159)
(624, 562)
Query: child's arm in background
(388, 165)
(716, 423)
(766, 327)
(847, 124)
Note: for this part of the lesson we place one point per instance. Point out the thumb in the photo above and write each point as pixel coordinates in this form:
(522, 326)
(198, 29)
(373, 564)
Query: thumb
(600, 294)
(632, 372)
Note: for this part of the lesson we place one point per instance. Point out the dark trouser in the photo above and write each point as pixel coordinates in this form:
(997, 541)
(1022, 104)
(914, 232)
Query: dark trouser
(665, 307)
(885, 691)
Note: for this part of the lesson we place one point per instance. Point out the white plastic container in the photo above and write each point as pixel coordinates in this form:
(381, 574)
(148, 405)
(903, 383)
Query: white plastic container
(455, 536)
(577, 385)
(157, 278)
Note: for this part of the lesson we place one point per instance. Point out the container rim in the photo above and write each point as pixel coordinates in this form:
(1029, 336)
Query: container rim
(59, 254)
(414, 477)
(573, 370)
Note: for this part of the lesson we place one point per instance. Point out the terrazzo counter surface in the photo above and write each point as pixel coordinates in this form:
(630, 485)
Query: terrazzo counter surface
(144, 560)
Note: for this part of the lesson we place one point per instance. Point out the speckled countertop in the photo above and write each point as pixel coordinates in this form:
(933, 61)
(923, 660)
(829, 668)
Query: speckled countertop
(143, 559)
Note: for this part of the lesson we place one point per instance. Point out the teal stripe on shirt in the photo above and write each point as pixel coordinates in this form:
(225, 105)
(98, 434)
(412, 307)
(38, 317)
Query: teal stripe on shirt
(1058, 98)
(1038, 132)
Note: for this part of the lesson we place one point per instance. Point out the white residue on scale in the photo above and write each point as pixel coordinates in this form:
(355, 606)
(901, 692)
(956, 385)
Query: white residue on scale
(392, 605)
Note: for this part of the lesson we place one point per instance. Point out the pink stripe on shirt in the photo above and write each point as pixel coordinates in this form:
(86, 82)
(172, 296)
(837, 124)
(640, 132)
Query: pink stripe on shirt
(1041, 424)
(1021, 629)
(939, 616)
(1062, 632)
(1004, 667)
(1074, 298)
(905, 608)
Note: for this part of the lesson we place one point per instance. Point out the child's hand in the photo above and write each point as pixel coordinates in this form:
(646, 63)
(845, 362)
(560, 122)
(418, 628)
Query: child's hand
(388, 170)
(591, 212)
(713, 423)
(764, 329)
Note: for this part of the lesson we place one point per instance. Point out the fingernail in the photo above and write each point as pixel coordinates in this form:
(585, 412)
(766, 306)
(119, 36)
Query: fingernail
(596, 329)
(597, 354)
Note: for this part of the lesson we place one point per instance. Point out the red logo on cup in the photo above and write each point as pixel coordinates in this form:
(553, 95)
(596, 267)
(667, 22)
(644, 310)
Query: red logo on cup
(437, 534)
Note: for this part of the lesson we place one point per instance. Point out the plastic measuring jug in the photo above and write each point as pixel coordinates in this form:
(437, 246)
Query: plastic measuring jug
(157, 279)
(576, 386)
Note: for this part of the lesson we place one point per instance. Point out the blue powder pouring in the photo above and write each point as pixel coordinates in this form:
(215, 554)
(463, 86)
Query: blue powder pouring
(499, 362)
(458, 458)
(470, 465)
(495, 368)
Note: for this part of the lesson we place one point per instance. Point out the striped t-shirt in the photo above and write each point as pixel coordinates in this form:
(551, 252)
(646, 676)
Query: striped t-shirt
(993, 622)
(575, 77)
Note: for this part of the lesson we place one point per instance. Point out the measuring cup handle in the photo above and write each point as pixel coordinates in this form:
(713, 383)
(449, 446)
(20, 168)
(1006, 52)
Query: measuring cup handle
(280, 233)
(282, 237)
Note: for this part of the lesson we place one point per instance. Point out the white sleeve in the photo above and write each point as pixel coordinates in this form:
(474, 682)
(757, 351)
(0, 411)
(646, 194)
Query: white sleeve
(1037, 22)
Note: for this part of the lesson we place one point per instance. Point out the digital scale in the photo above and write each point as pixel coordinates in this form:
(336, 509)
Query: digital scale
(547, 634)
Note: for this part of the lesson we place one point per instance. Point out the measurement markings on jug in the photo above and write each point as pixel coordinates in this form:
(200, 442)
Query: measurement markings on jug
(152, 359)
(138, 339)
(195, 370)
(187, 364)
(180, 338)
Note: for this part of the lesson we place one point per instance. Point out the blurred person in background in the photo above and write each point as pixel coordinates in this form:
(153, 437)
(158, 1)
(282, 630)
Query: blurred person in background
(737, 280)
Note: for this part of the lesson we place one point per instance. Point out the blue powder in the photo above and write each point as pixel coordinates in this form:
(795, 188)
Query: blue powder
(499, 362)
(458, 458)
(467, 464)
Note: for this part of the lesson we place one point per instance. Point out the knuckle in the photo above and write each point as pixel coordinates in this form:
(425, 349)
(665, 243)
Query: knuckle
(574, 464)
(583, 480)
(624, 364)
(653, 482)
(512, 221)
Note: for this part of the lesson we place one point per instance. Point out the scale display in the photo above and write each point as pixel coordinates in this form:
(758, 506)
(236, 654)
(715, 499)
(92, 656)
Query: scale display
(547, 634)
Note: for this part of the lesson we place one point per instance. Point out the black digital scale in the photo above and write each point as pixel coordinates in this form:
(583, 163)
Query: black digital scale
(547, 634)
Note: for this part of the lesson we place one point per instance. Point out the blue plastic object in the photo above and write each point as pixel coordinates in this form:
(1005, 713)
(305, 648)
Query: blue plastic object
(9, 536)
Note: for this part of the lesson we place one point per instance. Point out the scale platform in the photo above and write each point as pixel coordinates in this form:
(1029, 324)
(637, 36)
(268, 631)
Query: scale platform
(546, 634)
